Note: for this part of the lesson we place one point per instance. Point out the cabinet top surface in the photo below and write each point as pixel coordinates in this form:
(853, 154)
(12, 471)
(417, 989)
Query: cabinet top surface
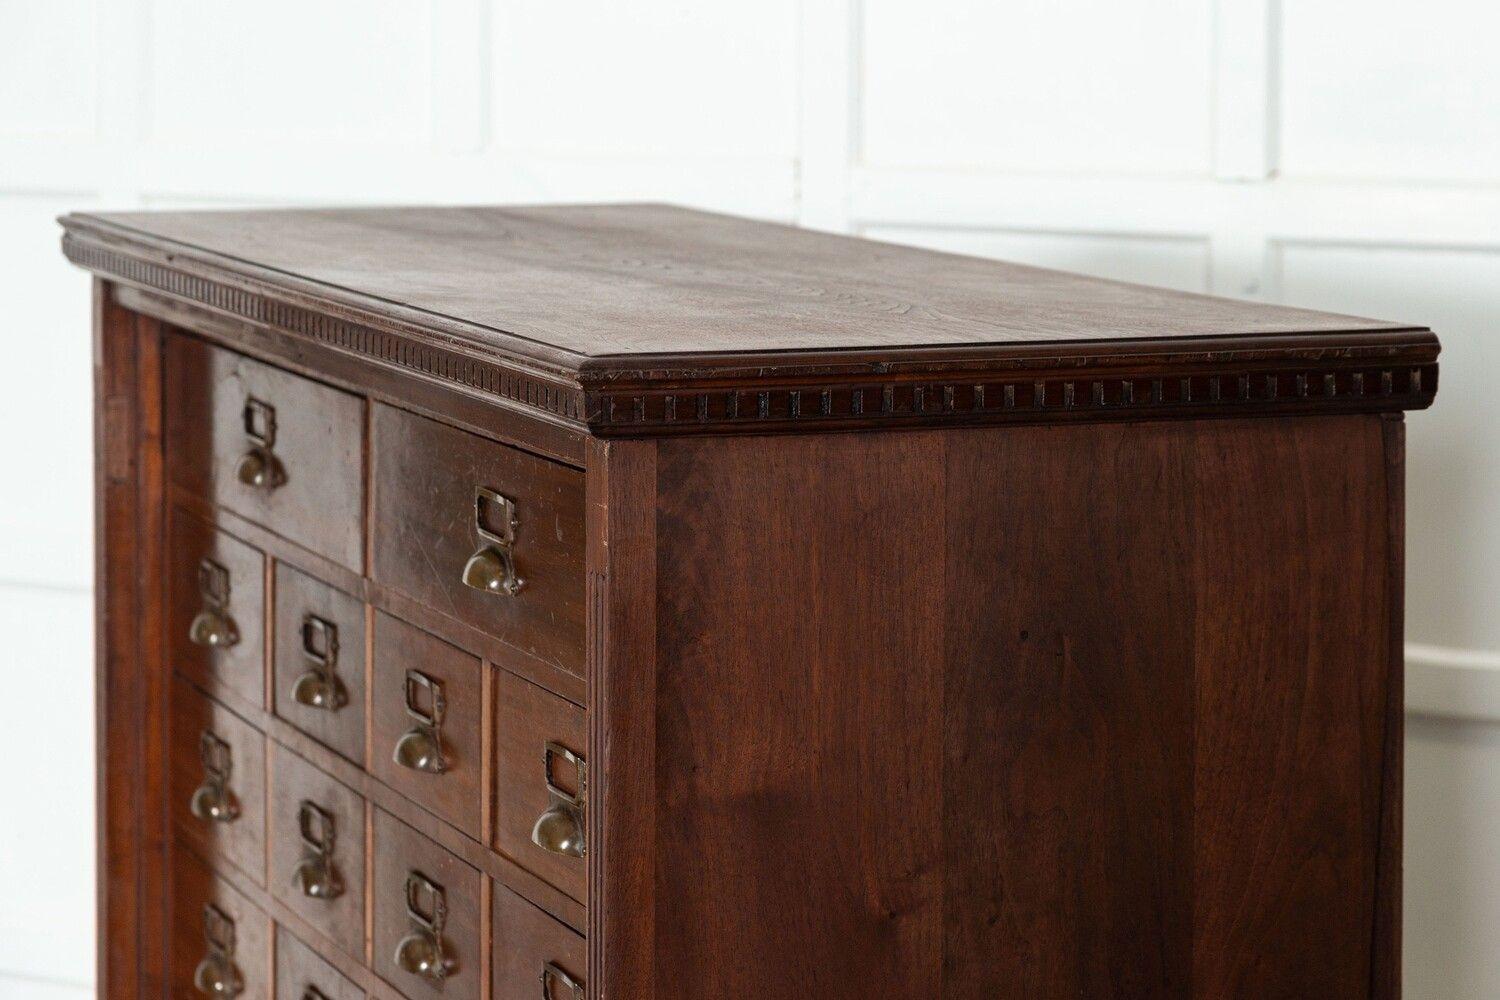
(660, 296)
(613, 280)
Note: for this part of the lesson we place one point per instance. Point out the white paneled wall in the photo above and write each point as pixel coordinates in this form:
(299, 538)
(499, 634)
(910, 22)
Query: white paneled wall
(1318, 152)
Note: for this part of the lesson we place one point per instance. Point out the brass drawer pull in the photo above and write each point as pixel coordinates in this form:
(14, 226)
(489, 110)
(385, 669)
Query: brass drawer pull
(553, 976)
(560, 829)
(313, 993)
(422, 952)
(212, 626)
(421, 747)
(216, 975)
(319, 686)
(492, 568)
(259, 466)
(213, 801)
(315, 875)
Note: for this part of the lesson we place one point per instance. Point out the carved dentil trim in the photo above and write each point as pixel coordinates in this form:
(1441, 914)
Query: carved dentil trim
(1338, 384)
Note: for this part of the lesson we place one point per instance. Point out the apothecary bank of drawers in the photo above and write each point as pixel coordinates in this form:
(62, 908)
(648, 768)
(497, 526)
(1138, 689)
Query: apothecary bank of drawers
(627, 602)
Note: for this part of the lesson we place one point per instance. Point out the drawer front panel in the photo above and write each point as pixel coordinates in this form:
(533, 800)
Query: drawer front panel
(427, 907)
(218, 936)
(428, 709)
(534, 955)
(529, 720)
(217, 614)
(317, 851)
(426, 480)
(279, 449)
(319, 662)
(300, 971)
(217, 764)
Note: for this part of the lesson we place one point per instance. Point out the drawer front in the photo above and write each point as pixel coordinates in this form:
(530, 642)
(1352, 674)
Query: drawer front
(427, 704)
(217, 612)
(426, 481)
(279, 449)
(529, 721)
(217, 767)
(319, 661)
(219, 938)
(534, 955)
(301, 974)
(427, 907)
(317, 850)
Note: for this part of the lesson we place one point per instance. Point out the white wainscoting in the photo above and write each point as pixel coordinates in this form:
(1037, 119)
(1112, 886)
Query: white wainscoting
(1319, 153)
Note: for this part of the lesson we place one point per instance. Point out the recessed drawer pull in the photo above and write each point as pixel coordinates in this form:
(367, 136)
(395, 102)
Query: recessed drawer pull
(213, 801)
(421, 747)
(560, 829)
(212, 626)
(259, 466)
(319, 686)
(315, 875)
(422, 951)
(216, 975)
(554, 977)
(492, 568)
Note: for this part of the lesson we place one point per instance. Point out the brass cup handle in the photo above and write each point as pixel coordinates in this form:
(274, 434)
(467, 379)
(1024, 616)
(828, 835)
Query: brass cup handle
(317, 878)
(319, 686)
(212, 802)
(560, 827)
(421, 747)
(421, 953)
(493, 570)
(213, 627)
(553, 976)
(492, 567)
(216, 976)
(259, 467)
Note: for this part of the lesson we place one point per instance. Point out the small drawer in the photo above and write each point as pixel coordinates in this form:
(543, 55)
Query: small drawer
(535, 955)
(427, 704)
(284, 451)
(541, 778)
(217, 612)
(427, 907)
(488, 534)
(319, 661)
(318, 849)
(301, 974)
(217, 764)
(221, 942)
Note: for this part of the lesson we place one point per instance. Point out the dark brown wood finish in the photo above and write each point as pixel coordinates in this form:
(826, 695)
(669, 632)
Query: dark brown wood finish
(526, 719)
(233, 672)
(426, 477)
(1105, 701)
(299, 967)
(193, 888)
(527, 940)
(629, 320)
(295, 785)
(310, 616)
(224, 406)
(239, 841)
(456, 793)
(399, 852)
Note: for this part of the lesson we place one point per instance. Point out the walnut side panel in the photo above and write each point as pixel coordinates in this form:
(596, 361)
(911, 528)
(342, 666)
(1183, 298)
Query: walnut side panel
(1058, 711)
(130, 692)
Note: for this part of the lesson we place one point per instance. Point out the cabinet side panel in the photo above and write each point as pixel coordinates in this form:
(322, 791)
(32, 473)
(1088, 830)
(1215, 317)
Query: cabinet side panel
(1084, 710)
(799, 756)
(1068, 713)
(129, 692)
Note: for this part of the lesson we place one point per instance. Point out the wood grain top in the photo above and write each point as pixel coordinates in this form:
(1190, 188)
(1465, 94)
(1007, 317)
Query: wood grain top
(631, 298)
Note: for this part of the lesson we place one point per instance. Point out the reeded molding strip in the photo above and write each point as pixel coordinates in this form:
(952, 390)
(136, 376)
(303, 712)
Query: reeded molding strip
(513, 384)
(1342, 381)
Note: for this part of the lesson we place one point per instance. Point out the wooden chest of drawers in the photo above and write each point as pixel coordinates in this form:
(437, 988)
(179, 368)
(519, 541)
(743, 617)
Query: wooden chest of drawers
(629, 602)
